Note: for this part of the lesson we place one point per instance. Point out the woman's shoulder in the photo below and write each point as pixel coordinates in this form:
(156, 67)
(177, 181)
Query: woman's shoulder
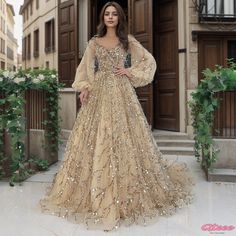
(133, 42)
(91, 42)
(93, 39)
(132, 39)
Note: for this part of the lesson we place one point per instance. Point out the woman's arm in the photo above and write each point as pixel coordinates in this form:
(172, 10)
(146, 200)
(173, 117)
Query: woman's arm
(143, 64)
(85, 71)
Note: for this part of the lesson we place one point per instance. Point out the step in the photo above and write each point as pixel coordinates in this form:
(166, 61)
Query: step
(184, 151)
(174, 143)
(222, 175)
(169, 135)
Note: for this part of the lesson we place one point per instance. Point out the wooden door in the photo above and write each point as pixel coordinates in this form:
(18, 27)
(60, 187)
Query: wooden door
(140, 25)
(211, 53)
(166, 84)
(67, 41)
(215, 50)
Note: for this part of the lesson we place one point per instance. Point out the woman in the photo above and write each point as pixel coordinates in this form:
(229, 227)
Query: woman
(113, 172)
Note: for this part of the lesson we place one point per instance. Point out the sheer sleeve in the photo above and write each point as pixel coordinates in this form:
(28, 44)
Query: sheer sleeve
(143, 64)
(85, 71)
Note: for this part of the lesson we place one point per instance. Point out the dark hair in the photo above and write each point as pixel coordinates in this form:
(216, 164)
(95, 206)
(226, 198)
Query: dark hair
(121, 29)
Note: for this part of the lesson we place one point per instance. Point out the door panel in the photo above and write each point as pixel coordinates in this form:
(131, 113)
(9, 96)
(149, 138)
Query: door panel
(166, 84)
(215, 50)
(140, 25)
(210, 53)
(67, 41)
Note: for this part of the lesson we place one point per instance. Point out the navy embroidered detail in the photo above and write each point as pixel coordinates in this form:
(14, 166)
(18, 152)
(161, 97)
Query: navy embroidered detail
(96, 65)
(127, 62)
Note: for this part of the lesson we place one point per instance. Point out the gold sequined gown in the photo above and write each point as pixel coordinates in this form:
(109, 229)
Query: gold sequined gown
(113, 171)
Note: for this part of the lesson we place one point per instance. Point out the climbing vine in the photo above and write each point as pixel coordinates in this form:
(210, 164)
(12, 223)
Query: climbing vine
(203, 104)
(13, 86)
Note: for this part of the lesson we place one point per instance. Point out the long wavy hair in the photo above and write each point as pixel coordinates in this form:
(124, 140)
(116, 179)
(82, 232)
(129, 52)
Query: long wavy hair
(121, 29)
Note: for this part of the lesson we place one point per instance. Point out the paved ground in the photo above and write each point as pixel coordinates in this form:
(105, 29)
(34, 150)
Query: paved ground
(215, 203)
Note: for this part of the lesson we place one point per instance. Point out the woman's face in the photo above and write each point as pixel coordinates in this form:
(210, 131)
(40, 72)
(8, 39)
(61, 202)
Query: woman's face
(111, 17)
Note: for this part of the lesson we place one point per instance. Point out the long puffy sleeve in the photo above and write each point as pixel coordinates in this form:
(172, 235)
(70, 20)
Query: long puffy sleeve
(85, 71)
(143, 64)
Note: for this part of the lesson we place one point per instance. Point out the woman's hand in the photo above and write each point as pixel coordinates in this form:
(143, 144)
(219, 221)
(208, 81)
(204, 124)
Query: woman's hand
(122, 71)
(84, 96)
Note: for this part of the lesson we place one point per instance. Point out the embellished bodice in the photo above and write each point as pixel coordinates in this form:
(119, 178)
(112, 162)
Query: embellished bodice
(139, 62)
(107, 59)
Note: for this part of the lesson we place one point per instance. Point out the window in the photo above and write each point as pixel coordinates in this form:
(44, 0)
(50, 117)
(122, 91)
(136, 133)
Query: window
(2, 46)
(37, 4)
(23, 14)
(231, 52)
(2, 25)
(36, 43)
(28, 46)
(26, 13)
(24, 48)
(2, 65)
(49, 36)
(31, 8)
(10, 53)
(225, 9)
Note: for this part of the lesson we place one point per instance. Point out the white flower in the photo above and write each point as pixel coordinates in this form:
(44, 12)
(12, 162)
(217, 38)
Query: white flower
(1, 79)
(12, 74)
(9, 74)
(18, 80)
(53, 76)
(36, 81)
(41, 77)
(6, 74)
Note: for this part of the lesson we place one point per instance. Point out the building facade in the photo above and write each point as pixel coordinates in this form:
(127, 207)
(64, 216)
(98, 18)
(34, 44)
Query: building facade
(39, 43)
(19, 61)
(3, 34)
(8, 43)
(185, 37)
(11, 45)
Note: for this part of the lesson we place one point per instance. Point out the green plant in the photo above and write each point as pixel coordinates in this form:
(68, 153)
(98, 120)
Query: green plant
(2, 158)
(13, 86)
(203, 105)
(41, 165)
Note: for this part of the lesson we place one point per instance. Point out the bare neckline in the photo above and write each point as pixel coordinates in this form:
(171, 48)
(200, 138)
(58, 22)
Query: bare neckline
(108, 49)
